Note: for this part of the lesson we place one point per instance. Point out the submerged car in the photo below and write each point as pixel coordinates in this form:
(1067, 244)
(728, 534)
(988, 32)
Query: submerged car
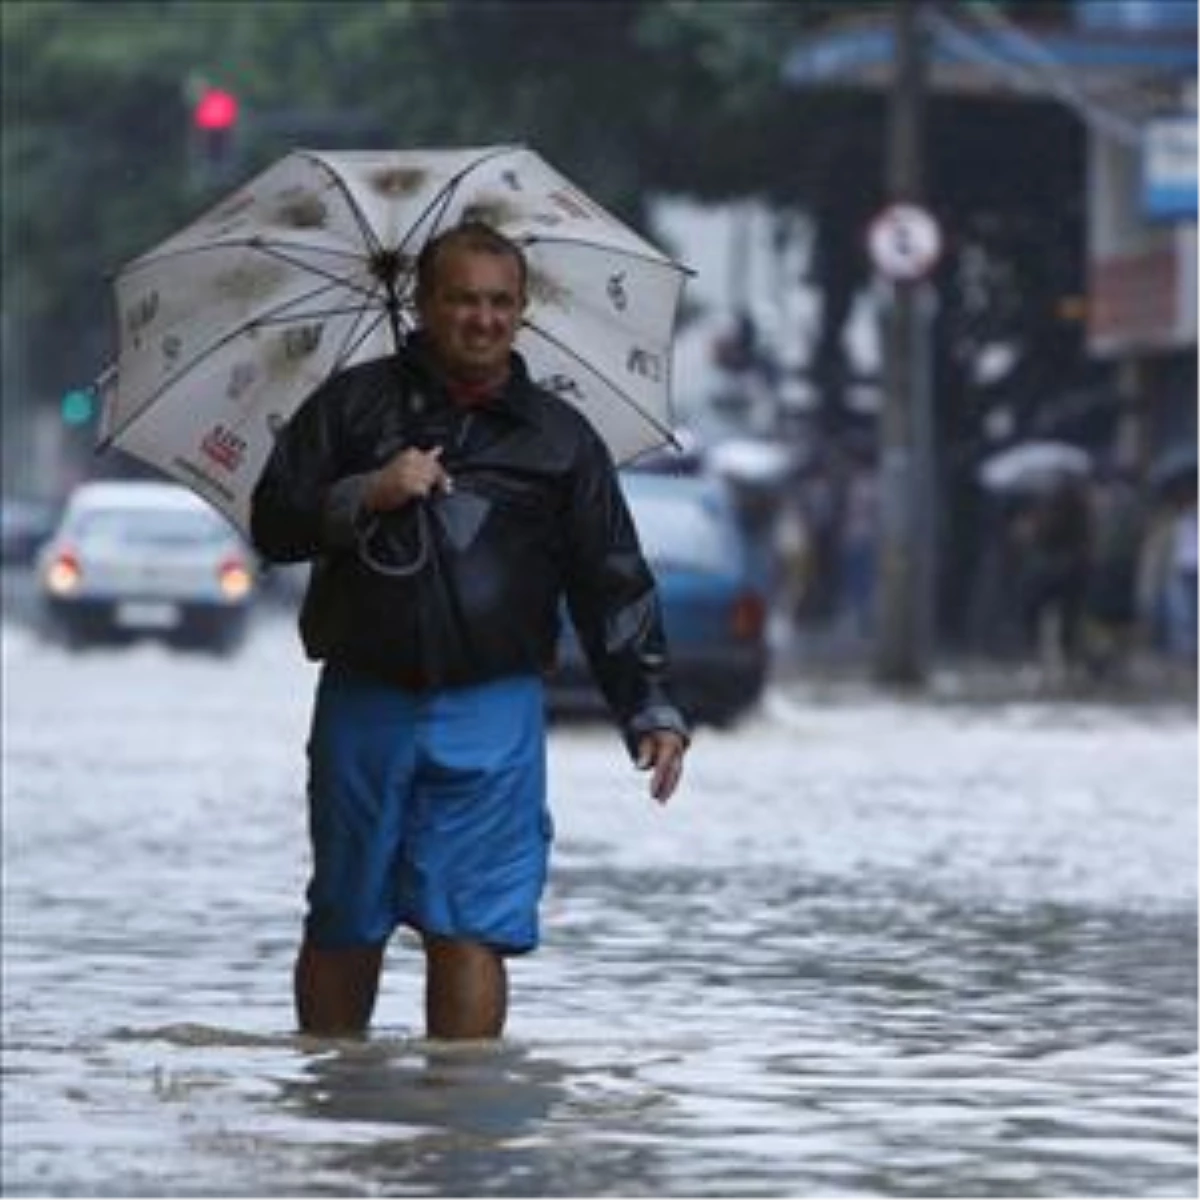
(714, 609)
(136, 559)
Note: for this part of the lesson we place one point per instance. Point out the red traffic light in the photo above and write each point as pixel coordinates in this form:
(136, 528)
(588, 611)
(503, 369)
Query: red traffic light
(216, 109)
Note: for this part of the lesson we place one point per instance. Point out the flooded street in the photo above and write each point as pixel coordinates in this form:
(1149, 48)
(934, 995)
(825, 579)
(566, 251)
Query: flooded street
(870, 949)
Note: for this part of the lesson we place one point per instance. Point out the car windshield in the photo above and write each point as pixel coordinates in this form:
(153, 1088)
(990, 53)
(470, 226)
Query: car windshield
(150, 527)
(679, 533)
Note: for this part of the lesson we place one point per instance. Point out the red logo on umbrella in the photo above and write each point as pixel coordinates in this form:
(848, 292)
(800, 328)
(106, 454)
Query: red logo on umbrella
(224, 447)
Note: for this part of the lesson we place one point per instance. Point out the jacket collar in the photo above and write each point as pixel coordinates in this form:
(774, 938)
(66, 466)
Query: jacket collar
(518, 397)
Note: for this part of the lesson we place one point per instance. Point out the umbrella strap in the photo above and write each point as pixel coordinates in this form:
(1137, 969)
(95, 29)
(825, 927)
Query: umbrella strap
(404, 570)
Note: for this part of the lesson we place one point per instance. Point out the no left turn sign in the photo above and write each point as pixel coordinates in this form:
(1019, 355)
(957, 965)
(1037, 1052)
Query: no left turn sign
(904, 241)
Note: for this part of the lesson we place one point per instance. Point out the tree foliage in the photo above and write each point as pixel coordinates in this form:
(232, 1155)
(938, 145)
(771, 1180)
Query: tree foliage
(627, 97)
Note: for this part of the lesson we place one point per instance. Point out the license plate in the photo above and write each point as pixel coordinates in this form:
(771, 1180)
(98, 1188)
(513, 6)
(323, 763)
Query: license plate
(147, 615)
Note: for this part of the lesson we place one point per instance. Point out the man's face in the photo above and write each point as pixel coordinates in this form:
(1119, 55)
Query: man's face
(472, 312)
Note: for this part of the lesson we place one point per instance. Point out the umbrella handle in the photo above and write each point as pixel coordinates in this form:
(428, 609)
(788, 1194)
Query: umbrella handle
(411, 567)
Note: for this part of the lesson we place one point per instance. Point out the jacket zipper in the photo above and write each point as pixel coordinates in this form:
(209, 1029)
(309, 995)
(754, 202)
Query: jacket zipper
(464, 429)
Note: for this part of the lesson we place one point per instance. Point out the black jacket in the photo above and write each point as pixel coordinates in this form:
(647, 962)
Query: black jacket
(465, 586)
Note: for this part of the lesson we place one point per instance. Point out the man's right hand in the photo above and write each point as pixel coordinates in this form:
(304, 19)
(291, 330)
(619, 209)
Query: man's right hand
(408, 475)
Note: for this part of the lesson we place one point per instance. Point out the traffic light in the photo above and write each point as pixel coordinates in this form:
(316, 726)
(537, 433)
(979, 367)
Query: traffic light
(78, 406)
(213, 135)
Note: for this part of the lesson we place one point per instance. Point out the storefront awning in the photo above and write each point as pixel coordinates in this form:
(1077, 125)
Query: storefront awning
(994, 57)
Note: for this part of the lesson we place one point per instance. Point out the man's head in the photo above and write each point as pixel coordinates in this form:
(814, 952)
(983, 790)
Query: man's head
(470, 299)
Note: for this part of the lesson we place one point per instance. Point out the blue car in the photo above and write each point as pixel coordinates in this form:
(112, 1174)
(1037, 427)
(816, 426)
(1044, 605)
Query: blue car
(714, 606)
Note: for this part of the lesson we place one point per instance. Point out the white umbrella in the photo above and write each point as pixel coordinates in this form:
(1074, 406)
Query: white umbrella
(1033, 465)
(226, 327)
(754, 462)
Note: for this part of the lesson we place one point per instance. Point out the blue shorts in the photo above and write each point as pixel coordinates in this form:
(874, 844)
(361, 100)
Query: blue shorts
(427, 809)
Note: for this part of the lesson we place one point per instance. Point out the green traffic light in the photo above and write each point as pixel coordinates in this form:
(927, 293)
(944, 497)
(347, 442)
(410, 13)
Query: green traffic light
(78, 405)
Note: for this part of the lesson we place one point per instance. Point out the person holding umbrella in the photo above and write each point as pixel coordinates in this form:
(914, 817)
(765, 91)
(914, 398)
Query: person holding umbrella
(450, 506)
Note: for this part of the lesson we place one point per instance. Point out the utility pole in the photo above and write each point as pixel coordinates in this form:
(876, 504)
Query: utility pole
(905, 595)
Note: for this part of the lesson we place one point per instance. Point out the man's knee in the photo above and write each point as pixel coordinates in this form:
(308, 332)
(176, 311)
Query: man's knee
(466, 994)
(336, 988)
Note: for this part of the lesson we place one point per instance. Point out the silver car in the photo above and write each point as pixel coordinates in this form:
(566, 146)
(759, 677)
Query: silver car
(133, 559)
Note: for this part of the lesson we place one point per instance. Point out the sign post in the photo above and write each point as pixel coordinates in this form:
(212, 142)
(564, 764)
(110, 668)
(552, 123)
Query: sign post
(905, 242)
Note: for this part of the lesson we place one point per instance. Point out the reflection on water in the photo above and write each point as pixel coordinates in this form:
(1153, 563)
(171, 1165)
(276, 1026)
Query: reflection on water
(878, 951)
(472, 1120)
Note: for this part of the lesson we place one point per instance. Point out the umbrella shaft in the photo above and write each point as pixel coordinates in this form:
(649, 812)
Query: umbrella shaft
(393, 311)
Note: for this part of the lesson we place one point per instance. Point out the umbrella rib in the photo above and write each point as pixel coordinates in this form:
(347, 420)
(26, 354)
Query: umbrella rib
(168, 383)
(349, 348)
(438, 204)
(271, 316)
(337, 280)
(282, 318)
(257, 242)
(355, 336)
(274, 317)
(276, 250)
(368, 233)
(442, 200)
(619, 391)
(208, 351)
(645, 256)
(369, 236)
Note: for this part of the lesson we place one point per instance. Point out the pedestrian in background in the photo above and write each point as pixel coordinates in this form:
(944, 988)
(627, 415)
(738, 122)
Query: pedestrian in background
(1057, 539)
(1181, 587)
(1153, 567)
(1118, 527)
(858, 544)
(449, 506)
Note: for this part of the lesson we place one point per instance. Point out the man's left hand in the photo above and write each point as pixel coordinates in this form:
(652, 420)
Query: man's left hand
(662, 751)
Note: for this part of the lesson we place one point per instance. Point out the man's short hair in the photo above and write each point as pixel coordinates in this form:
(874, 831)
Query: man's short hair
(470, 235)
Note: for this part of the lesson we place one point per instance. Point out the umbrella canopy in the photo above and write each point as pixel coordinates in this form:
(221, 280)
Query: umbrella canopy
(1032, 466)
(226, 327)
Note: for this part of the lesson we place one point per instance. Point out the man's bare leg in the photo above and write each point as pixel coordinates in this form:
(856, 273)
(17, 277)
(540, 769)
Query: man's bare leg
(466, 989)
(336, 989)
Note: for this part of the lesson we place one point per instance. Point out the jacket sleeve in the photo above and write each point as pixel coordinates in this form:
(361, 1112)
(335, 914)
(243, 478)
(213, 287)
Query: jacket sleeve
(303, 504)
(613, 602)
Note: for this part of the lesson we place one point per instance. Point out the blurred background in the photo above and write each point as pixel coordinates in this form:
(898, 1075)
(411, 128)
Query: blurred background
(1049, 146)
(936, 395)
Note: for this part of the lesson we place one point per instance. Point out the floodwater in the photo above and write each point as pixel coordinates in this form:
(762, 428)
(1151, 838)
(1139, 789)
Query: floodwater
(871, 949)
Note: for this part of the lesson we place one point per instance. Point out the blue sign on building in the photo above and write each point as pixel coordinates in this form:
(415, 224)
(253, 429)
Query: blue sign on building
(1169, 168)
(1146, 16)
